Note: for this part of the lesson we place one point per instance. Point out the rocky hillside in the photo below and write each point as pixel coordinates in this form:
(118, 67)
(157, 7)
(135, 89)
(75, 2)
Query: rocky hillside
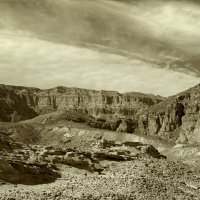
(35, 164)
(13, 105)
(176, 118)
(20, 103)
(109, 170)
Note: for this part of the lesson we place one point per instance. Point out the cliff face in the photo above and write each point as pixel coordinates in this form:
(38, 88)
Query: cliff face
(176, 118)
(18, 103)
(13, 106)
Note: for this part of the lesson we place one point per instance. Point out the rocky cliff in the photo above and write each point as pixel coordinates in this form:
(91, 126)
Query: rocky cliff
(19, 103)
(177, 118)
(14, 105)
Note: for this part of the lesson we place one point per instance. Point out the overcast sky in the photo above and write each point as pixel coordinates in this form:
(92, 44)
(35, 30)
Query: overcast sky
(38, 51)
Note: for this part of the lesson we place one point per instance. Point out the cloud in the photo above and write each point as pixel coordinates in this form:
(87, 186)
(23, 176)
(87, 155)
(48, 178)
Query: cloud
(155, 29)
(32, 62)
(178, 21)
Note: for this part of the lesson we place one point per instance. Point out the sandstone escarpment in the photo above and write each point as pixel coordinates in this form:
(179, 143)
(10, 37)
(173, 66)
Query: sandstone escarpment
(13, 106)
(175, 119)
(19, 103)
(162, 122)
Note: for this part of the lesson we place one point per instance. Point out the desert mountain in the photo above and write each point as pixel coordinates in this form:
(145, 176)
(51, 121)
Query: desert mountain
(20, 103)
(61, 144)
(174, 119)
(101, 142)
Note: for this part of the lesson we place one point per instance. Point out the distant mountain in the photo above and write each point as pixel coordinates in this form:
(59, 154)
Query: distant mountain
(20, 103)
(175, 119)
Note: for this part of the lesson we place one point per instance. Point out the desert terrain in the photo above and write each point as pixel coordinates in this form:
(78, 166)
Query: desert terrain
(99, 99)
(85, 152)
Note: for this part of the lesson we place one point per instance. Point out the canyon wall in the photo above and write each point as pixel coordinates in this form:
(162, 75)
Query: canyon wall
(175, 119)
(19, 103)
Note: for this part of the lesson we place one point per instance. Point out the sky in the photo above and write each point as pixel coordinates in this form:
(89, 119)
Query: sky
(102, 45)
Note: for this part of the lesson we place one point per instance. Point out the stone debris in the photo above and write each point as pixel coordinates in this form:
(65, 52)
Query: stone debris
(143, 178)
(111, 170)
(61, 154)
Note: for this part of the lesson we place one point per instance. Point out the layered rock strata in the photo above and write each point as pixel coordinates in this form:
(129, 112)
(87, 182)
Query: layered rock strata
(19, 103)
(175, 119)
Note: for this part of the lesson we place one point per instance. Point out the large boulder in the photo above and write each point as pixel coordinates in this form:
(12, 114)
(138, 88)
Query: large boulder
(17, 172)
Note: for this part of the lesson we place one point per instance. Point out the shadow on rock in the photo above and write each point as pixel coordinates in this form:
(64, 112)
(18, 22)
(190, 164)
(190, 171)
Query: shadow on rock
(16, 172)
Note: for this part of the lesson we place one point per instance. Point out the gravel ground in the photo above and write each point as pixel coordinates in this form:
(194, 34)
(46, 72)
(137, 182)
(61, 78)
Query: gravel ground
(144, 178)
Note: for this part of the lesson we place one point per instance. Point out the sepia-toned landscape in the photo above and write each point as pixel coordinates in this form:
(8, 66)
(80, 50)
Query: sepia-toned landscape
(99, 99)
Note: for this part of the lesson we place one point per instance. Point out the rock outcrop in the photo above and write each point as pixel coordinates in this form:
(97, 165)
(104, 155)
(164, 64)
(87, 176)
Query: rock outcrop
(35, 164)
(176, 119)
(16, 165)
(13, 106)
(19, 103)
(21, 172)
